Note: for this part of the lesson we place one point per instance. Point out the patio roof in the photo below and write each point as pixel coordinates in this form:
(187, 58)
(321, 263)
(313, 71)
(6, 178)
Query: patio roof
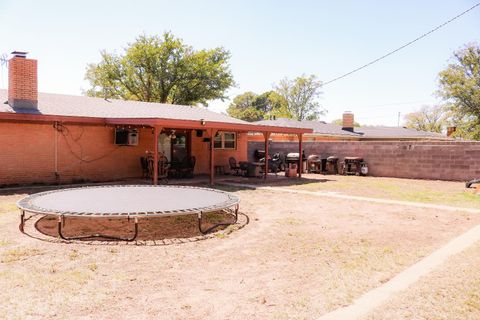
(82, 109)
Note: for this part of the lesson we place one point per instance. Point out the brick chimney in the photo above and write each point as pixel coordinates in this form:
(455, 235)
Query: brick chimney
(22, 81)
(450, 131)
(348, 121)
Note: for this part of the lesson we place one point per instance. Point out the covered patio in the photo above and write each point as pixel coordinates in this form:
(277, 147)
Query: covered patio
(208, 131)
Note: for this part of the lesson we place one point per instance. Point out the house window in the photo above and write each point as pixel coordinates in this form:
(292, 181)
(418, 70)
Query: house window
(225, 140)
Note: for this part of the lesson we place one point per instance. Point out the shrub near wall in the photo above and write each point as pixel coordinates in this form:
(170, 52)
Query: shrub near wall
(438, 160)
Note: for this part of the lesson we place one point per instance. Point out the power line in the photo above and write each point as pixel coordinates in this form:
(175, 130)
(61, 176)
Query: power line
(402, 47)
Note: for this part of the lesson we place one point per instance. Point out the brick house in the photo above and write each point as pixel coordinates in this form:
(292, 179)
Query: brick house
(53, 138)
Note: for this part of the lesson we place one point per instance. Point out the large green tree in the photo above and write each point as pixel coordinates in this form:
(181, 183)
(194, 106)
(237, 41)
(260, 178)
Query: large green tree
(428, 118)
(301, 96)
(161, 69)
(460, 87)
(252, 107)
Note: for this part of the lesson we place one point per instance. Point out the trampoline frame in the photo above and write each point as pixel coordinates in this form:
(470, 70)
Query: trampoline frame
(231, 207)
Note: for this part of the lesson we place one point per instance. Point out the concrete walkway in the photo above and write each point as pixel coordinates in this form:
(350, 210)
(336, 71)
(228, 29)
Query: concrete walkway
(378, 296)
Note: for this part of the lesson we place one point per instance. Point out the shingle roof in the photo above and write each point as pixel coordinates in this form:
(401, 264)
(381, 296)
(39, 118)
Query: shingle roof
(397, 132)
(319, 127)
(375, 132)
(81, 106)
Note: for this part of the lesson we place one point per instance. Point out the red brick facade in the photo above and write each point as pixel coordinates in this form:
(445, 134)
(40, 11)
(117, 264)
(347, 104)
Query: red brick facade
(85, 153)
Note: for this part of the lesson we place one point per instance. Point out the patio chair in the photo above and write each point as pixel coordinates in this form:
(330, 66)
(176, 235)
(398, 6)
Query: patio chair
(144, 164)
(236, 169)
(163, 166)
(187, 167)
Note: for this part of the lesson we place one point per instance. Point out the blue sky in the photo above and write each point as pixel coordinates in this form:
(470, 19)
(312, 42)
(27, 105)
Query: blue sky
(268, 40)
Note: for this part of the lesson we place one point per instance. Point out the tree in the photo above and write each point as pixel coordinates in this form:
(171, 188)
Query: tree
(243, 107)
(428, 118)
(460, 87)
(300, 95)
(161, 69)
(249, 106)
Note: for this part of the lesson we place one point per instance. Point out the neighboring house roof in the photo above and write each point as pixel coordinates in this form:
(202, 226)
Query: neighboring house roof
(374, 132)
(319, 127)
(137, 112)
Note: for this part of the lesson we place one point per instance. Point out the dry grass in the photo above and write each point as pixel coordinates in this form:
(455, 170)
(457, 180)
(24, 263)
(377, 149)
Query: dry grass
(427, 191)
(452, 292)
(300, 257)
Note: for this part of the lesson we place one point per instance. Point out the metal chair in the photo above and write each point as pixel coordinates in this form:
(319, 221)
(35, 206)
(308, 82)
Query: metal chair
(234, 167)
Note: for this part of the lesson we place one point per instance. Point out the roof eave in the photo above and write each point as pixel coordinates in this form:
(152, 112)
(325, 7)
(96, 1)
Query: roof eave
(177, 123)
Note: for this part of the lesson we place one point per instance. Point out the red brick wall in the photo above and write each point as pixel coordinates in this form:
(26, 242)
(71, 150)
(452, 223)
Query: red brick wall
(86, 153)
(201, 150)
(442, 160)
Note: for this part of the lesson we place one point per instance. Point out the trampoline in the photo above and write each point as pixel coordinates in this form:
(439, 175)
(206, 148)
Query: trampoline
(131, 202)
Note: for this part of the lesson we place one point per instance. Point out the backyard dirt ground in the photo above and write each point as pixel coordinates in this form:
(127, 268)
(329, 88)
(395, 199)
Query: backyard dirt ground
(299, 257)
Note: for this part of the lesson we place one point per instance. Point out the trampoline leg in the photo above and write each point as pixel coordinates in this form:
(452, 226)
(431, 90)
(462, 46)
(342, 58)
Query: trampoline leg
(199, 216)
(236, 214)
(60, 222)
(218, 224)
(135, 234)
(22, 221)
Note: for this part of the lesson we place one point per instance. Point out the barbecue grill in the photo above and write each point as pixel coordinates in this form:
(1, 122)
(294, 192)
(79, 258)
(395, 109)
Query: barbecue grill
(294, 157)
(332, 165)
(314, 163)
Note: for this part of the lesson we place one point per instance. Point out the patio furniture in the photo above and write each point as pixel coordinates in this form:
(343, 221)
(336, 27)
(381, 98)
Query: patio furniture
(163, 166)
(145, 167)
(232, 162)
(186, 168)
(243, 167)
(131, 202)
(253, 169)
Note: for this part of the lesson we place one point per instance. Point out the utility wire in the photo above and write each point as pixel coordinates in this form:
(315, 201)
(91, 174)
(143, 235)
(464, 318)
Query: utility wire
(402, 47)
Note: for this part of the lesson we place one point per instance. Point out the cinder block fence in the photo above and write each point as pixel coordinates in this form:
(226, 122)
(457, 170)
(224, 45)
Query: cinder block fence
(438, 160)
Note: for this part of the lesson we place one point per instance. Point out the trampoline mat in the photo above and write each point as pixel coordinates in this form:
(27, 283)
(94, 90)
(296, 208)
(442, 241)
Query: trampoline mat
(128, 200)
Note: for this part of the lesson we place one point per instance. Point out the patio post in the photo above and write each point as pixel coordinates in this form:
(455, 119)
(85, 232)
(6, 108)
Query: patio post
(266, 135)
(155, 156)
(300, 155)
(213, 132)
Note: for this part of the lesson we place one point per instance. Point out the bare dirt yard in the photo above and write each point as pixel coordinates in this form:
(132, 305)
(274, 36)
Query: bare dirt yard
(299, 257)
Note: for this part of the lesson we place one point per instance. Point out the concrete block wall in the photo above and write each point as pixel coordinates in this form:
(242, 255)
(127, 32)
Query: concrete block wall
(437, 160)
